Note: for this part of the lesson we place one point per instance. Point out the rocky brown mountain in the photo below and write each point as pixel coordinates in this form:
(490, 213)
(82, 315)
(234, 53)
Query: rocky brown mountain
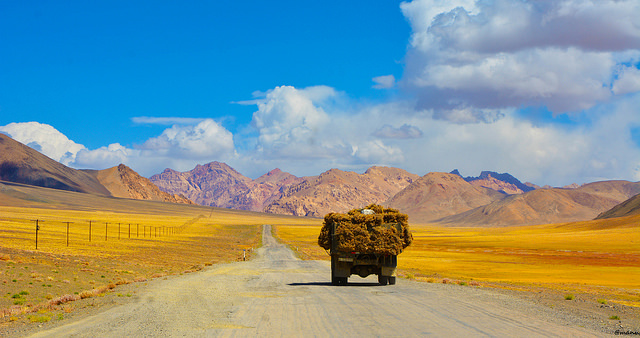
(551, 205)
(217, 184)
(339, 191)
(122, 181)
(22, 164)
(627, 208)
(265, 189)
(436, 195)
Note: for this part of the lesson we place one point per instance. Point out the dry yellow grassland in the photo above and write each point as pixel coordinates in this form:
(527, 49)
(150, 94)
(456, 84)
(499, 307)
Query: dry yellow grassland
(143, 240)
(600, 257)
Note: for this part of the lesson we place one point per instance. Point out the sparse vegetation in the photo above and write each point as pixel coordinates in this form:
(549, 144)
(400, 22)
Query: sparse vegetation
(569, 297)
(89, 269)
(614, 317)
(583, 257)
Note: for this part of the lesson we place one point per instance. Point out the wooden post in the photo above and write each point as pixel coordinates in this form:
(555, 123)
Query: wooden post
(138, 230)
(89, 231)
(129, 230)
(106, 230)
(118, 231)
(67, 232)
(37, 229)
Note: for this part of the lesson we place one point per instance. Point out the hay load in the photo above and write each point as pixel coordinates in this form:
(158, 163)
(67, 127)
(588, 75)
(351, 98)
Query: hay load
(374, 229)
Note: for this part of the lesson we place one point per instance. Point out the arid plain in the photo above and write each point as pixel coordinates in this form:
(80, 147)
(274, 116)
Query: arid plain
(589, 269)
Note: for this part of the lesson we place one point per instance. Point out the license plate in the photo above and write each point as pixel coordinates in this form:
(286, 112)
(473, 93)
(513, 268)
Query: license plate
(345, 259)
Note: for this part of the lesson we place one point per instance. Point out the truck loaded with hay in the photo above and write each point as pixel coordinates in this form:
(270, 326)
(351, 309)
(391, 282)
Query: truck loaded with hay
(365, 242)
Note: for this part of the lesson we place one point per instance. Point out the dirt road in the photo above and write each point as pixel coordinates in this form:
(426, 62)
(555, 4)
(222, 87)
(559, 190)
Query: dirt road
(278, 295)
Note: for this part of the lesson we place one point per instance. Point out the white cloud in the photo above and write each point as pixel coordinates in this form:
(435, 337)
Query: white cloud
(561, 55)
(384, 82)
(544, 153)
(44, 138)
(290, 123)
(104, 157)
(375, 151)
(180, 147)
(207, 139)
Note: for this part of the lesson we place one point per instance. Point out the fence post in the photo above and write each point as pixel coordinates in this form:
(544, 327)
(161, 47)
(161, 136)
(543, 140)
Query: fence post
(37, 229)
(67, 232)
(89, 231)
(118, 231)
(129, 230)
(106, 230)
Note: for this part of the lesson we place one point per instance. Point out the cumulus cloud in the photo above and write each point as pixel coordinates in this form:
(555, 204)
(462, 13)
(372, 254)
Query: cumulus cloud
(543, 153)
(207, 139)
(558, 54)
(296, 125)
(289, 122)
(104, 157)
(44, 138)
(180, 147)
(384, 82)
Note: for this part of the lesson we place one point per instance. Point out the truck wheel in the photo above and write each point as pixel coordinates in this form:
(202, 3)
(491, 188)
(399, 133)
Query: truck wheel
(392, 280)
(382, 279)
(335, 281)
(344, 280)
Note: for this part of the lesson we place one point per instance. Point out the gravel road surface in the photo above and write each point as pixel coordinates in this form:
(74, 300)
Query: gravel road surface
(279, 295)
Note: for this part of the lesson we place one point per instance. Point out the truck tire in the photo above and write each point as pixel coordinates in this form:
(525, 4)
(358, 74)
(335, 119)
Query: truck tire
(392, 280)
(335, 281)
(383, 279)
(343, 280)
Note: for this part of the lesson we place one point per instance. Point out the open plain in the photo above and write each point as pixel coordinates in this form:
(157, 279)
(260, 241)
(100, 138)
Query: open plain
(277, 294)
(575, 279)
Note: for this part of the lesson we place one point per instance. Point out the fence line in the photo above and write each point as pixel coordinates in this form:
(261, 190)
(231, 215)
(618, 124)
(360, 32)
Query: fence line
(48, 224)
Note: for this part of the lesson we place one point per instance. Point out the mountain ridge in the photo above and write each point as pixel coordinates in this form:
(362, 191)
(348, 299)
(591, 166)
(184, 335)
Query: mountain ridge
(22, 164)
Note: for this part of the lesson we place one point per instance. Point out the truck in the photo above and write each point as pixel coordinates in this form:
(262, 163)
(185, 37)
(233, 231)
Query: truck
(365, 242)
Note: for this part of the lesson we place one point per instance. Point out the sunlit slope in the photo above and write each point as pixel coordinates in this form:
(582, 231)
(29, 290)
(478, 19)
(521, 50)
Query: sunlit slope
(19, 163)
(626, 208)
(545, 206)
(595, 253)
(604, 253)
(87, 241)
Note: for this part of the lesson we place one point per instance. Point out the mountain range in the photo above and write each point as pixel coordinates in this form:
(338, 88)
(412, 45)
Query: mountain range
(491, 199)
(22, 164)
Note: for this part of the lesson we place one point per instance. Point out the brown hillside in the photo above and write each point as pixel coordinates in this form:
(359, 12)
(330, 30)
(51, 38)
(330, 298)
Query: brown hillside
(21, 164)
(122, 181)
(553, 205)
(264, 190)
(217, 184)
(627, 208)
(339, 191)
(437, 195)
(213, 184)
(497, 185)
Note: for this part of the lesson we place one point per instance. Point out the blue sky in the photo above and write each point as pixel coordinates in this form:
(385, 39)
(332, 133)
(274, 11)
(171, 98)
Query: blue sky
(547, 91)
